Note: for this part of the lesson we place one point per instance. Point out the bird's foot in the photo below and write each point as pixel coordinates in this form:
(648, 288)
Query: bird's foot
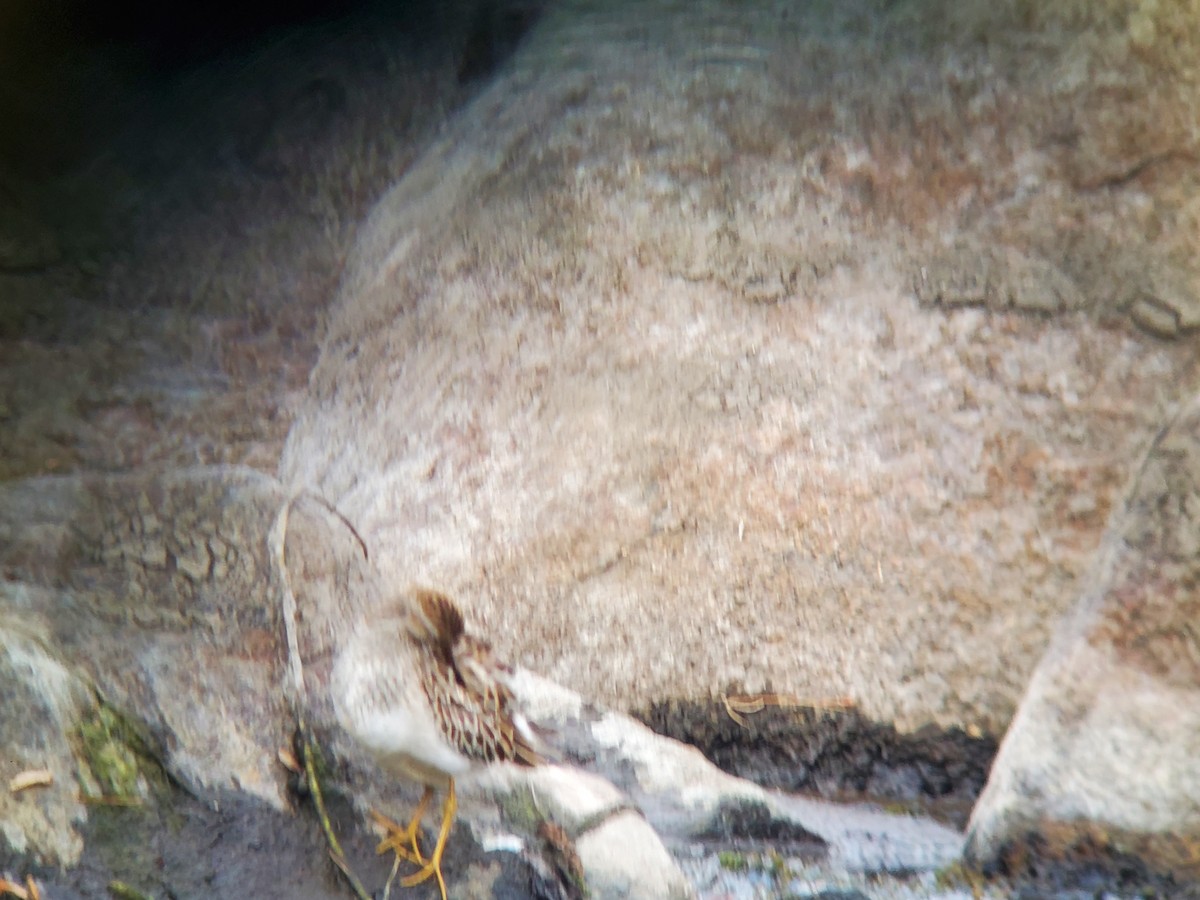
(434, 865)
(400, 839)
(431, 869)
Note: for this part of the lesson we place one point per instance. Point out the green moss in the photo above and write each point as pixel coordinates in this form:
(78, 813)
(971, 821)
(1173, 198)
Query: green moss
(131, 797)
(772, 863)
(121, 891)
(520, 808)
(319, 763)
(113, 760)
(733, 861)
(779, 868)
(959, 876)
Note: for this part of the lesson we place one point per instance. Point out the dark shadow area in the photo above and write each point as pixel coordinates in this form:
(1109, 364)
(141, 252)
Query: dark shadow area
(836, 754)
(105, 104)
(745, 825)
(179, 192)
(840, 755)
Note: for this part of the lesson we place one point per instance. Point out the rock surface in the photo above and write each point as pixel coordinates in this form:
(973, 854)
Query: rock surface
(631, 360)
(158, 595)
(691, 802)
(1100, 764)
(97, 573)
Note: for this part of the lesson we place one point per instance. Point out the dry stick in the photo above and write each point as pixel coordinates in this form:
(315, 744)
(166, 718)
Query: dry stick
(748, 704)
(278, 539)
(313, 495)
(278, 542)
(314, 787)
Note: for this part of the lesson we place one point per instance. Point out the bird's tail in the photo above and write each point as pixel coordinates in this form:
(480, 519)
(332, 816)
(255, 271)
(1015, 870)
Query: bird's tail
(531, 747)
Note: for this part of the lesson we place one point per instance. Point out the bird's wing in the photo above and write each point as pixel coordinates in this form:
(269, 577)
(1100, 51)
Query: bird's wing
(466, 686)
(474, 708)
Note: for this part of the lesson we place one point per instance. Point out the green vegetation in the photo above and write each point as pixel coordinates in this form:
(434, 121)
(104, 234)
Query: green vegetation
(733, 861)
(121, 891)
(959, 876)
(112, 759)
(772, 863)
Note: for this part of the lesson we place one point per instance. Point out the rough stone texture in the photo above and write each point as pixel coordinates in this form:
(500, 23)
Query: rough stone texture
(1101, 760)
(625, 858)
(631, 362)
(203, 212)
(619, 853)
(166, 595)
(43, 702)
(169, 601)
(160, 595)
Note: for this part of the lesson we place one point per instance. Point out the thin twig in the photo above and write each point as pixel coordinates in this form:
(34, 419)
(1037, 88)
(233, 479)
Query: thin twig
(740, 705)
(313, 495)
(278, 543)
(314, 787)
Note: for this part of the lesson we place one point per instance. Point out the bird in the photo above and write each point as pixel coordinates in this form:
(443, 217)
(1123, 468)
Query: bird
(429, 702)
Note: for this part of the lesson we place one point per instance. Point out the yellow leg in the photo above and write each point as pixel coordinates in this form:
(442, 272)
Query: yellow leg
(397, 836)
(434, 865)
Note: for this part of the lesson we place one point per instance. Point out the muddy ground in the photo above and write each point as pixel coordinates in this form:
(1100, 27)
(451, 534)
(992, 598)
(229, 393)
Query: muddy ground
(837, 754)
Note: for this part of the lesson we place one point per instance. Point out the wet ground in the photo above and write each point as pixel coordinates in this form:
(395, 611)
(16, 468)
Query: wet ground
(837, 754)
(893, 806)
(172, 844)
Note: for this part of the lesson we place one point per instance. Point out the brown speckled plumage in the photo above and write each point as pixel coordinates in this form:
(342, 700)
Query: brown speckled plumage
(464, 685)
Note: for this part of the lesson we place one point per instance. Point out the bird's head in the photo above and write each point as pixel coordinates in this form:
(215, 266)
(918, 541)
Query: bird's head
(433, 619)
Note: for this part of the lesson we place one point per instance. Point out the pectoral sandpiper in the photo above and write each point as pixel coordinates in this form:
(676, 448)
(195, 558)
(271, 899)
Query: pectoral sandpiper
(430, 702)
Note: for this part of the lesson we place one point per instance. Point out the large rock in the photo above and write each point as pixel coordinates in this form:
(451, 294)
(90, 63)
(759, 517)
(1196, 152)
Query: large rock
(158, 595)
(1103, 758)
(631, 360)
